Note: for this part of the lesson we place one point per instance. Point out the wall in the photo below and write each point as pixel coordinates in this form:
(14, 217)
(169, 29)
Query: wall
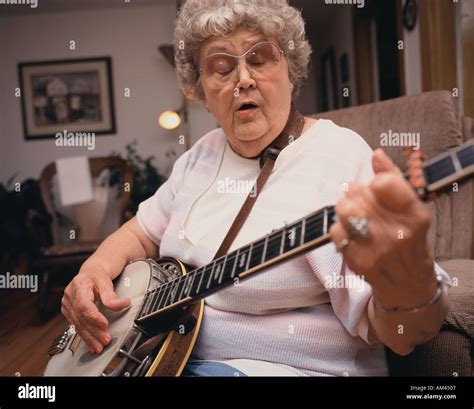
(131, 37)
(413, 75)
(465, 25)
(335, 30)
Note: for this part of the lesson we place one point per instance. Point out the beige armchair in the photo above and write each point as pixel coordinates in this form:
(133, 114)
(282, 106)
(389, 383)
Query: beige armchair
(434, 115)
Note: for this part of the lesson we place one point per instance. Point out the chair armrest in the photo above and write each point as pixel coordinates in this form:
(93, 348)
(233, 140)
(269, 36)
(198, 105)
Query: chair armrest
(450, 352)
(461, 295)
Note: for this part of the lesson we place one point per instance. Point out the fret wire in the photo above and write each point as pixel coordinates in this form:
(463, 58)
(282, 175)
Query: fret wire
(200, 281)
(185, 282)
(162, 302)
(223, 268)
(233, 260)
(146, 309)
(169, 299)
(456, 163)
(235, 263)
(255, 245)
(192, 284)
(249, 255)
(169, 294)
(277, 234)
(220, 262)
(210, 274)
(265, 245)
(162, 296)
(263, 252)
(303, 231)
(195, 273)
(282, 244)
(157, 296)
(282, 240)
(175, 296)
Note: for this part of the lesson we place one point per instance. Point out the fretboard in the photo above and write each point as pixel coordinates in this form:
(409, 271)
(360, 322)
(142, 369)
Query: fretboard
(449, 167)
(281, 244)
(303, 235)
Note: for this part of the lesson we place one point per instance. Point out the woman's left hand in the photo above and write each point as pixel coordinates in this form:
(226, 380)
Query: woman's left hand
(394, 258)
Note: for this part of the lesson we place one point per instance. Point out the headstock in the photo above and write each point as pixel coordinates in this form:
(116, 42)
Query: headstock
(414, 173)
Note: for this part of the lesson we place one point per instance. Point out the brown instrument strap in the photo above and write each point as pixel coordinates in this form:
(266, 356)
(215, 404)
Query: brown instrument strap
(292, 131)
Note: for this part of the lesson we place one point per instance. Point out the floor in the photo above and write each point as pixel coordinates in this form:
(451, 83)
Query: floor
(24, 339)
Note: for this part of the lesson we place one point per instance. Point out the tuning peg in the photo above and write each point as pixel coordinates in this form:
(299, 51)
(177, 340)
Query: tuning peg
(415, 173)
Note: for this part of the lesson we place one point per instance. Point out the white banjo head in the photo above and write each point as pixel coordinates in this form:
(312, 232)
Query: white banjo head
(76, 359)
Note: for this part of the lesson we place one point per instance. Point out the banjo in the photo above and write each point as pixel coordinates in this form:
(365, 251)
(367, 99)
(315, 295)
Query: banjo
(155, 335)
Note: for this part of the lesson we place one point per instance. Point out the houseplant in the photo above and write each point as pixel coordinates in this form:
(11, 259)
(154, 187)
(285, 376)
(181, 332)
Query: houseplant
(146, 177)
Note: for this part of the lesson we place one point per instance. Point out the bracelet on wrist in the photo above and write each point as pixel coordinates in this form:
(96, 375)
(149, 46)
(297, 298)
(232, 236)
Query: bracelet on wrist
(433, 300)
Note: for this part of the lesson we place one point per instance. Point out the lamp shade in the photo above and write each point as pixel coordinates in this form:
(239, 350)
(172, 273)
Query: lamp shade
(169, 120)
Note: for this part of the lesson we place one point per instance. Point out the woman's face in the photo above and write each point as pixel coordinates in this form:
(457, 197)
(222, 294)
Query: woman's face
(247, 132)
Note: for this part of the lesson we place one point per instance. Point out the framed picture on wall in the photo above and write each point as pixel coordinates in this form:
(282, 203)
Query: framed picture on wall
(67, 96)
(328, 81)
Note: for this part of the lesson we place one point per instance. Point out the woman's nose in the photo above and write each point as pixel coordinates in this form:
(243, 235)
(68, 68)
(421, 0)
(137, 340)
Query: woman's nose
(245, 76)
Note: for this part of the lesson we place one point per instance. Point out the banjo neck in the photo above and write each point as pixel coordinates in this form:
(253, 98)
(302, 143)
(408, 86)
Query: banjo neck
(281, 244)
(307, 233)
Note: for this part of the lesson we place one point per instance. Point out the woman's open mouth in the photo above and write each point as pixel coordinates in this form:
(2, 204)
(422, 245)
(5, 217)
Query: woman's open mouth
(247, 110)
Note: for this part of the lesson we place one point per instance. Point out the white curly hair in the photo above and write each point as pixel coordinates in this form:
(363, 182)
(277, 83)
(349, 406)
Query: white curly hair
(199, 20)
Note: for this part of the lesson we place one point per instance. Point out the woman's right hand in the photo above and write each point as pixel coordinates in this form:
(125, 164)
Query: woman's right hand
(78, 306)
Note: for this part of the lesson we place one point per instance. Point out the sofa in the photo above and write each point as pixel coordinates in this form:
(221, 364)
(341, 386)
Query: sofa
(434, 115)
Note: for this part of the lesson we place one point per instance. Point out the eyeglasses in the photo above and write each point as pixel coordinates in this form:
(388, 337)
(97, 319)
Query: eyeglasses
(263, 60)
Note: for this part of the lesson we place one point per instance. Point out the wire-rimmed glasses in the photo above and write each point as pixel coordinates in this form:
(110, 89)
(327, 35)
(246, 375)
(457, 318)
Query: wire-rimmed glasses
(263, 61)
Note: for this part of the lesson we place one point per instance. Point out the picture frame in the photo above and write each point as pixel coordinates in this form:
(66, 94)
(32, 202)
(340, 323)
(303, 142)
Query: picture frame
(328, 81)
(74, 95)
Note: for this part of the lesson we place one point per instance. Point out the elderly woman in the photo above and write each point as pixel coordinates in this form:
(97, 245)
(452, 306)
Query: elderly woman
(245, 60)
